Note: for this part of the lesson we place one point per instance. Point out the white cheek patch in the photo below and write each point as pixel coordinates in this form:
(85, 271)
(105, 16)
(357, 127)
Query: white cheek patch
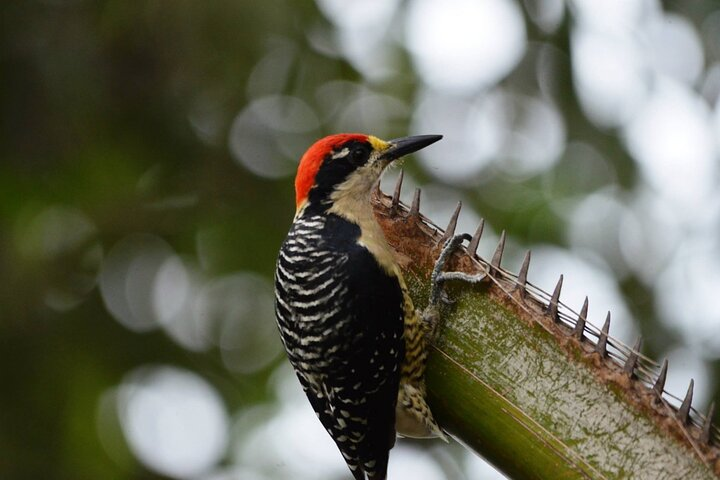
(341, 154)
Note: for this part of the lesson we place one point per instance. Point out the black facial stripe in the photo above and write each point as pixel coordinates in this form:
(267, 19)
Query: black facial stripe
(358, 153)
(334, 171)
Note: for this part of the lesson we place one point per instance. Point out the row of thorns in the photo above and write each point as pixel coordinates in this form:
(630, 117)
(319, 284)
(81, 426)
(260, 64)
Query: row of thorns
(634, 364)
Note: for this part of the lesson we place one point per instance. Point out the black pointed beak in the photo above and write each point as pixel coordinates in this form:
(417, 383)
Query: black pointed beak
(403, 146)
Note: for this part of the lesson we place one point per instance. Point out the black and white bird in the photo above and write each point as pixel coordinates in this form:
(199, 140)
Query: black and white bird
(346, 319)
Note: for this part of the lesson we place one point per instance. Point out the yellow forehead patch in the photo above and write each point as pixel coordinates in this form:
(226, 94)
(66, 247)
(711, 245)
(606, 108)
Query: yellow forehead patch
(378, 144)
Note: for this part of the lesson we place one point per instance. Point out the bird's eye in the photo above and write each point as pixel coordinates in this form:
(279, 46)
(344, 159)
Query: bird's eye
(360, 153)
(359, 157)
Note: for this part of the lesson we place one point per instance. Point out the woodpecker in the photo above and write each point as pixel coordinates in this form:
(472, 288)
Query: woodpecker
(347, 322)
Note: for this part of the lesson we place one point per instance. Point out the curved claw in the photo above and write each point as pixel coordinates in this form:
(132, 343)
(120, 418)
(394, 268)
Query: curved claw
(436, 279)
(445, 298)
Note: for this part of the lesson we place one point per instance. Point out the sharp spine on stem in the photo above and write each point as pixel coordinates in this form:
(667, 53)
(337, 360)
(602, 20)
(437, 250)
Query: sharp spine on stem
(415, 207)
(452, 224)
(683, 413)
(521, 284)
(601, 346)
(632, 360)
(475, 240)
(497, 256)
(579, 330)
(396, 194)
(554, 300)
(659, 386)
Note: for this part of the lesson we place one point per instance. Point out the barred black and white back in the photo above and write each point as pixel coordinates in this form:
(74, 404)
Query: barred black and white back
(341, 319)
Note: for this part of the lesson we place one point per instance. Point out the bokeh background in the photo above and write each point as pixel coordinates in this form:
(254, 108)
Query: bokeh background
(146, 162)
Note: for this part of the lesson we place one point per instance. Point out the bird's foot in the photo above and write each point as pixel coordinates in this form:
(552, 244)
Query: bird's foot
(438, 295)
